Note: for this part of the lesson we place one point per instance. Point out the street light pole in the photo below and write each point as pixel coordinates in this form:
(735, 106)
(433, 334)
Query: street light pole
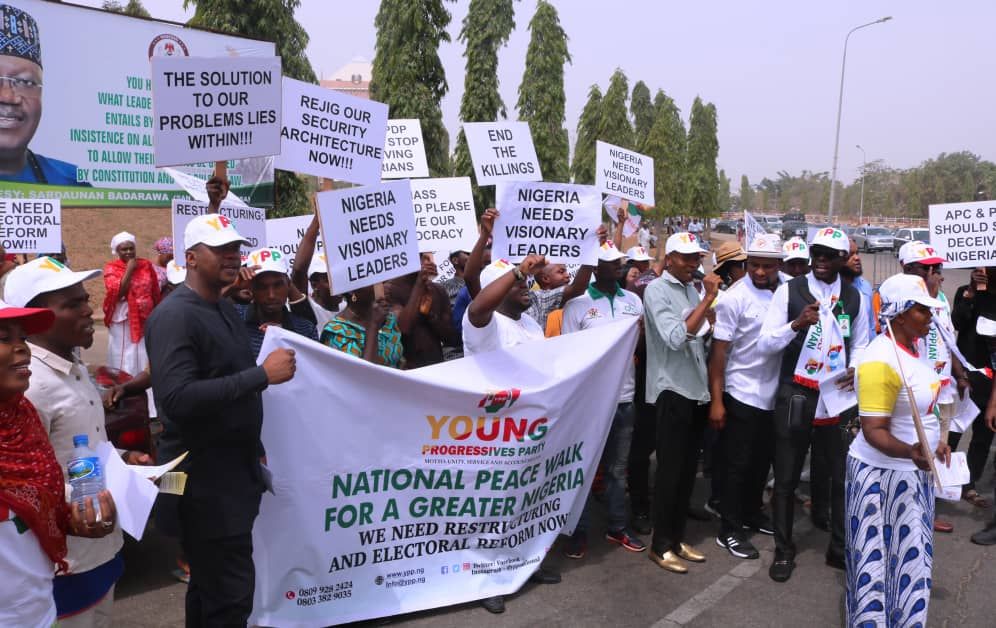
(840, 103)
(864, 169)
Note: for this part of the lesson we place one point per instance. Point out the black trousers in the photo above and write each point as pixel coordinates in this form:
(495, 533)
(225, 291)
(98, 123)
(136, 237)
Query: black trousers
(680, 424)
(644, 443)
(222, 580)
(794, 411)
(982, 436)
(749, 444)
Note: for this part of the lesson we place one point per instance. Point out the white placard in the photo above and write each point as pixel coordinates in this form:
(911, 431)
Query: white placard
(624, 173)
(404, 151)
(444, 214)
(284, 234)
(215, 108)
(31, 226)
(502, 151)
(557, 220)
(964, 233)
(330, 134)
(372, 234)
(250, 222)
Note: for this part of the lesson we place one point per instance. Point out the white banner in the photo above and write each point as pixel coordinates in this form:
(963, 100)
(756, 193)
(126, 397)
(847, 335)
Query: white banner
(624, 173)
(502, 151)
(285, 235)
(215, 108)
(96, 113)
(404, 151)
(558, 220)
(964, 233)
(429, 487)
(372, 232)
(444, 214)
(330, 134)
(752, 229)
(250, 222)
(31, 226)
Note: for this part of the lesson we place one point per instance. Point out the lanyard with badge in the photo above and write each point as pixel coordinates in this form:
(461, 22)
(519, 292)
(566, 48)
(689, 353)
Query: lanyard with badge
(843, 320)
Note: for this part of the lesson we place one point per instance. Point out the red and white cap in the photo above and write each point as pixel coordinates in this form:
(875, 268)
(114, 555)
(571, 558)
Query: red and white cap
(685, 243)
(638, 254)
(268, 260)
(917, 252)
(34, 320)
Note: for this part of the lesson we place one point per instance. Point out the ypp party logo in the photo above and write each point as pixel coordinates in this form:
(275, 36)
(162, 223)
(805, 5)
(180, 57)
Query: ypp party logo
(220, 223)
(52, 264)
(259, 258)
(493, 402)
(687, 238)
(832, 233)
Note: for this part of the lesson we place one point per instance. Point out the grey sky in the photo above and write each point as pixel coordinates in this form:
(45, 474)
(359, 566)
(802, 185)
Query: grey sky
(915, 86)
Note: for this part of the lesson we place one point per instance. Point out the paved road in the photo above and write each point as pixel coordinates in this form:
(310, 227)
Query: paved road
(612, 587)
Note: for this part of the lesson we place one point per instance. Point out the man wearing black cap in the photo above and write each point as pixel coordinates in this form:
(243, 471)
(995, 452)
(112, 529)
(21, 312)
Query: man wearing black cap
(21, 104)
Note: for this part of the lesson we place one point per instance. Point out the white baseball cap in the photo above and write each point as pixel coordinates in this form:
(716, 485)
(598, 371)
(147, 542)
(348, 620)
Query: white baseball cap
(269, 260)
(795, 248)
(175, 274)
(494, 270)
(766, 245)
(917, 252)
(684, 243)
(638, 254)
(608, 252)
(832, 238)
(318, 264)
(41, 275)
(900, 292)
(212, 230)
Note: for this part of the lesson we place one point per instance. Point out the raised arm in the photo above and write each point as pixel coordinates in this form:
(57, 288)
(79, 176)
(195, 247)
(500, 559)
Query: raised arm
(305, 251)
(475, 263)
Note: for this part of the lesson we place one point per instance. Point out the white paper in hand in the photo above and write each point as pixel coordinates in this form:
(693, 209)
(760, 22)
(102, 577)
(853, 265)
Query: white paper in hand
(967, 412)
(956, 474)
(133, 495)
(836, 399)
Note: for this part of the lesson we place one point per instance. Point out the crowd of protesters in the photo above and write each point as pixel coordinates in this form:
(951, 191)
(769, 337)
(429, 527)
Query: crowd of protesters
(726, 378)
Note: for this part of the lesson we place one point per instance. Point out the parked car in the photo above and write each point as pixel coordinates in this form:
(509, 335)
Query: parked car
(794, 216)
(725, 226)
(794, 228)
(772, 224)
(871, 239)
(907, 235)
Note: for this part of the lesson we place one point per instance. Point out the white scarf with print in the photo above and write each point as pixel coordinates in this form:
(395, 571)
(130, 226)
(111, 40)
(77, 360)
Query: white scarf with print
(823, 351)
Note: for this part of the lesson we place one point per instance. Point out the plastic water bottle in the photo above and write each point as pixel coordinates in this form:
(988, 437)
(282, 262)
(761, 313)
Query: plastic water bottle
(86, 478)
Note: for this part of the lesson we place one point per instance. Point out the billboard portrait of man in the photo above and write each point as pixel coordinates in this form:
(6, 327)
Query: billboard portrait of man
(21, 104)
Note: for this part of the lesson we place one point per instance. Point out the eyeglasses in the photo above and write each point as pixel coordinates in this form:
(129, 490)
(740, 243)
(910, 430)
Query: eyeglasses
(21, 86)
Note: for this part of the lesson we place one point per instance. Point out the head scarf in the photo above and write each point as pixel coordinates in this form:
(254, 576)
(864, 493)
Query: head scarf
(120, 239)
(31, 483)
(163, 246)
(892, 309)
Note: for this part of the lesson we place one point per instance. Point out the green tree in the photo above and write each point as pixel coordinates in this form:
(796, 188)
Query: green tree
(703, 149)
(269, 20)
(746, 194)
(613, 119)
(643, 112)
(407, 73)
(132, 7)
(541, 93)
(666, 145)
(583, 166)
(723, 191)
(485, 29)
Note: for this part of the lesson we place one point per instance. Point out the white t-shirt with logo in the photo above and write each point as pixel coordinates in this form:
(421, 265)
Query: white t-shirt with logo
(501, 332)
(593, 309)
(26, 592)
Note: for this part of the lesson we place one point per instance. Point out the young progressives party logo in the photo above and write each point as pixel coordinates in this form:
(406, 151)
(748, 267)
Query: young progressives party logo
(167, 45)
(493, 402)
(52, 264)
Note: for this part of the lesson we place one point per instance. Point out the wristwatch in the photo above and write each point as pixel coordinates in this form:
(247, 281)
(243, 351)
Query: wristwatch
(518, 274)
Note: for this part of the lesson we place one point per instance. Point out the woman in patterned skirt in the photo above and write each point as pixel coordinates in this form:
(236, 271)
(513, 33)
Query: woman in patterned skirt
(365, 319)
(889, 494)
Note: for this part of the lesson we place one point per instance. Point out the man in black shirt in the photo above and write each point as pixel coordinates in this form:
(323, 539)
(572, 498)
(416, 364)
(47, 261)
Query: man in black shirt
(206, 380)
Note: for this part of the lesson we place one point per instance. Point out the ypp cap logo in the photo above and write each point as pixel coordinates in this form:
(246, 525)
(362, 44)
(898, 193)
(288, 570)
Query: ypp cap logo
(266, 255)
(831, 232)
(52, 264)
(220, 222)
(493, 402)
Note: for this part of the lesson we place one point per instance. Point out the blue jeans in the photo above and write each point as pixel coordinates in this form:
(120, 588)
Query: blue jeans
(615, 459)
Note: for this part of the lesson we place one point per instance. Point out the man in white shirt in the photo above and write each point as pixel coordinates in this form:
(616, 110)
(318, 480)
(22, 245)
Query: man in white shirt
(742, 386)
(605, 302)
(496, 319)
(816, 323)
(68, 404)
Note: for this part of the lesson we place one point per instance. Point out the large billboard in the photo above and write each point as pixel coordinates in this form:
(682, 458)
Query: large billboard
(76, 111)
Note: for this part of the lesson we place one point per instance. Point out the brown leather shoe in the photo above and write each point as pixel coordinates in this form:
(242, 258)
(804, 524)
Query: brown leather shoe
(690, 553)
(669, 561)
(940, 525)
